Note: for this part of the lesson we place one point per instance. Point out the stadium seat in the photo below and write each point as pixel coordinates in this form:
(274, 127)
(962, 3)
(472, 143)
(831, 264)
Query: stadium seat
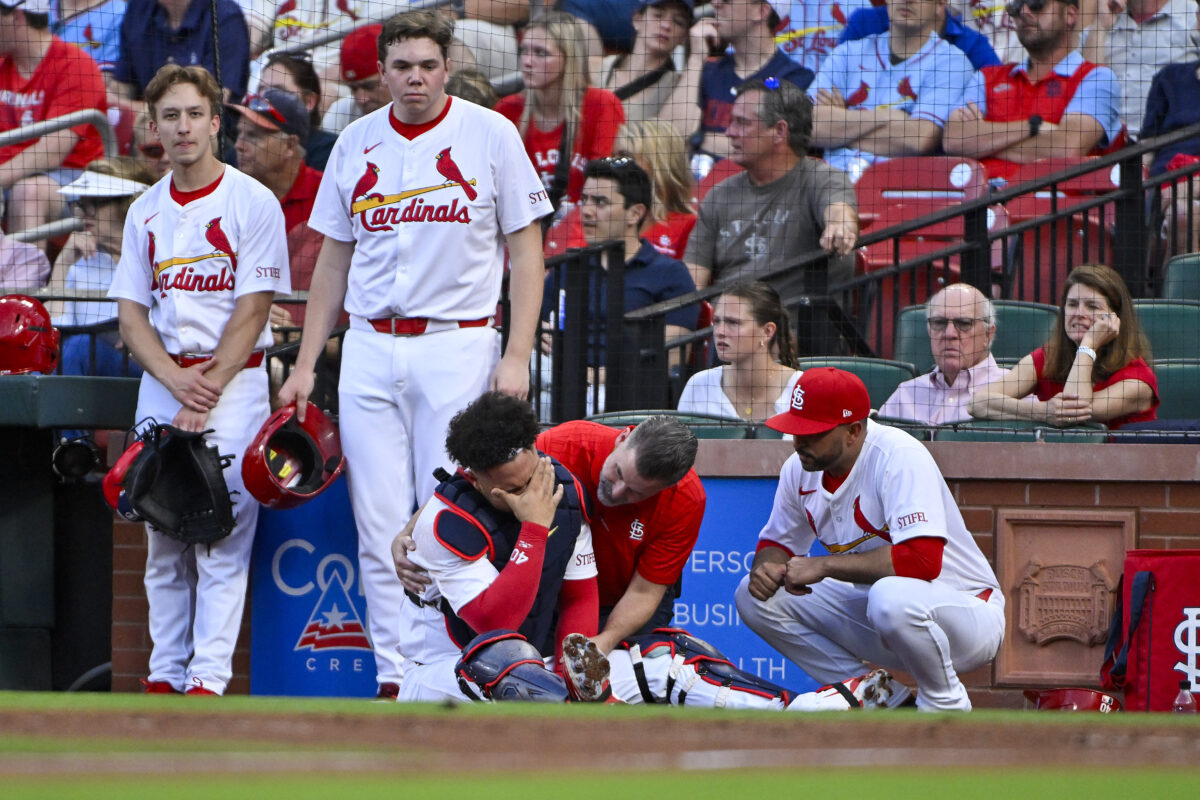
(881, 376)
(901, 189)
(1178, 388)
(1020, 329)
(1181, 278)
(1172, 326)
(987, 430)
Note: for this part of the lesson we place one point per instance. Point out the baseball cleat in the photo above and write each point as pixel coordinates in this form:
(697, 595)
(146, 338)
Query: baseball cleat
(585, 669)
(872, 690)
(157, 687)
(200, 690)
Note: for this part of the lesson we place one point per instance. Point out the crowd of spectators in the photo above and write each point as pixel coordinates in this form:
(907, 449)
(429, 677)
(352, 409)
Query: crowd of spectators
(791, 98)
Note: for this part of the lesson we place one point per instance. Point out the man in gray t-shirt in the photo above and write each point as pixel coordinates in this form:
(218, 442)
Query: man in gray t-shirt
(783, 206)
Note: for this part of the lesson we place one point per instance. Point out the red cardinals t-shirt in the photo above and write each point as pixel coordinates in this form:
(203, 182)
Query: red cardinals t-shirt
(670, 237)
(599, 120)
(654, 537)
(66, 80)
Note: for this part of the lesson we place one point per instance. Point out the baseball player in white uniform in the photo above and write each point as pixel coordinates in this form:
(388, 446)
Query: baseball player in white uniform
(204, 254)
(905, 586)
(418, 202)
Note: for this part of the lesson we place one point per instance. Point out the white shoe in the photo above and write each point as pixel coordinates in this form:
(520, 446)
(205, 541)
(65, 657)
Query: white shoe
(585, 669)
(872, 690)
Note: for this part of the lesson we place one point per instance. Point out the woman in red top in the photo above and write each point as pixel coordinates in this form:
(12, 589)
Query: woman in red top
(659, 149)
(558, 106)
(1095, 368)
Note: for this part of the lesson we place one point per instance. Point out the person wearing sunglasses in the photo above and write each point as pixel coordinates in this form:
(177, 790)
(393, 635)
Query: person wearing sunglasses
(147, 149)
(962, 325)
(889, 94)
(1095, 367)
(1055, 104)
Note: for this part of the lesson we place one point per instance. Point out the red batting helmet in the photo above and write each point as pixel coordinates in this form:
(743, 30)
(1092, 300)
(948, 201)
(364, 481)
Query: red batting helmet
(114, 482)
(1072, 700)
(28, 342)
(290, 462)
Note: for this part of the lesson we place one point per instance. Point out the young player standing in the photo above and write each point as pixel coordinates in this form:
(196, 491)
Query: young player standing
(905, 586)
(418, 202)
(204, 254)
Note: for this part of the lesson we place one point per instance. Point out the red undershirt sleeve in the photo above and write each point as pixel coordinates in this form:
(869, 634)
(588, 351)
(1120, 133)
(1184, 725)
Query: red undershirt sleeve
(919, 558)
(578, 612)
(507, 602)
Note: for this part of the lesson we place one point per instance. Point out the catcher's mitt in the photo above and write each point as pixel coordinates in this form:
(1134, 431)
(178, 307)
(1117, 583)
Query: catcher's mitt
(176, 484)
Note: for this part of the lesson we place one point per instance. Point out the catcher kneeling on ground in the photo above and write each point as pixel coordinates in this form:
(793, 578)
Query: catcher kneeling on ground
(513, 597)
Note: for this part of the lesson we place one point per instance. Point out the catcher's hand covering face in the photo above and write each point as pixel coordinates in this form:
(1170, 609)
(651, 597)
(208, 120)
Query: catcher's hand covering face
(175, 482)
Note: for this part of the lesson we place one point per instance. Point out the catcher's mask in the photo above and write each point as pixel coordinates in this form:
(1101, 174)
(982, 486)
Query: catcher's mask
(28, 342)
(114, 480)
(1072, 700)
(290, 462)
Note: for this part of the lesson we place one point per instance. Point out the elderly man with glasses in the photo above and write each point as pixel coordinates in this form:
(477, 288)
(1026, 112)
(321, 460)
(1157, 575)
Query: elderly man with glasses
(1055, 104)
(962, 325)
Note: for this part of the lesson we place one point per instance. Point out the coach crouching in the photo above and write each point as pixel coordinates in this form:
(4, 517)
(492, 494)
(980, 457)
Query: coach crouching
(904, 587)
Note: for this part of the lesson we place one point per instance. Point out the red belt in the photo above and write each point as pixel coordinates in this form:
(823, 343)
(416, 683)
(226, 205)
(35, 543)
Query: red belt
(191, 359)
(415, 326)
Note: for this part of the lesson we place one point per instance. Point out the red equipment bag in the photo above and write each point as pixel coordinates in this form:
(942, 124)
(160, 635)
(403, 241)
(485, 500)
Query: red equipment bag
(1154, 641)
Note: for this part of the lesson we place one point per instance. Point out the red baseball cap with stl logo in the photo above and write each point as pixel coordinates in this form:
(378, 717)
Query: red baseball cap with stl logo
(823, 398)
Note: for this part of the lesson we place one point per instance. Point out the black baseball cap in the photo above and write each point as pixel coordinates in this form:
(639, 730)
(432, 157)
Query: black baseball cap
(276, 110)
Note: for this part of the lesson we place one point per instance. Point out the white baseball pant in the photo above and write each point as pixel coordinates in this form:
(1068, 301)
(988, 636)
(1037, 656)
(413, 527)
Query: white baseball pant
(197, 593)
(925, 629)
(396, 397)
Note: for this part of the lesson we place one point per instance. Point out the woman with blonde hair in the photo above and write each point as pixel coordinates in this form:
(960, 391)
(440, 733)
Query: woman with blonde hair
(752, 333)
(1094, 368)
(559, 111)
(659, 149)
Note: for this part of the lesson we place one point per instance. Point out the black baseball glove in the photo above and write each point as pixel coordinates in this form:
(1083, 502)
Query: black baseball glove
(176, 484)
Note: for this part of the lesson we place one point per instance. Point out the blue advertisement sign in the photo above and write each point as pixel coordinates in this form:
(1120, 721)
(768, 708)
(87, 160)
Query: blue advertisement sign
(737, 509)
(308, 614)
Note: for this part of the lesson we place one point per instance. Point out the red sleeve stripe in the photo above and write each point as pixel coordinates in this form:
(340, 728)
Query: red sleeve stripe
(765, 543)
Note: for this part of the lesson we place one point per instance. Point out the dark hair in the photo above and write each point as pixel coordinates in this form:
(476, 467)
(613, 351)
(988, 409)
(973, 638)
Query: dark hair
(39, 22)
(473, 86)
(632, 181)
(1131, 342)
(170, 75)
(766, 306)
(491, 431)
(305, 76)
(783, 100)
(664, 449)
(416, 25)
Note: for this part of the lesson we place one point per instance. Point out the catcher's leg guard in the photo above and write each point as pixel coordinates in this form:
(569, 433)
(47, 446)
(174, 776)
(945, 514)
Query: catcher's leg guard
(707, 664)
(503, 665)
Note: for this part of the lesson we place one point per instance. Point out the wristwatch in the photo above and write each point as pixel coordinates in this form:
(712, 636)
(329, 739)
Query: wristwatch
(1087, 351)
(1035, 125)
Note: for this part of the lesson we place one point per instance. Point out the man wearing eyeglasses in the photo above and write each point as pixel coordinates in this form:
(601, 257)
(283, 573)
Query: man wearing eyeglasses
(961, 324)
(1056, 104)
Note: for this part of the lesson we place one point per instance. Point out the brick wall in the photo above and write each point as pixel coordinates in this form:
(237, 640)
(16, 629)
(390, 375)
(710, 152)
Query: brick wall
(1148, 495)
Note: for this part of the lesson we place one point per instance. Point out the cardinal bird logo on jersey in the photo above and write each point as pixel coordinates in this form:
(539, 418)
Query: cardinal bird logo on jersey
(366, 183)
(858, 96)
(450, 171)
(216, 237)
(88, 39)
(838, 15)
(153, 263)
(861, 521)
(905, 89)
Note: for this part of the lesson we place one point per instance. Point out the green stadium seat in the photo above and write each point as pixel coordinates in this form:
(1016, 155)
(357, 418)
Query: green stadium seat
(703, 425)
(1172, 326)
(881, 375)
(1178, 388)
(987, 430)
(1181, 278)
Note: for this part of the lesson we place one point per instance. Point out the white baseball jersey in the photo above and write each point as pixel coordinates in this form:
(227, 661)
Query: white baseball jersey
(428, 216)
(928, 85)
(893, 493)
(189, 264)
(811, 29)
